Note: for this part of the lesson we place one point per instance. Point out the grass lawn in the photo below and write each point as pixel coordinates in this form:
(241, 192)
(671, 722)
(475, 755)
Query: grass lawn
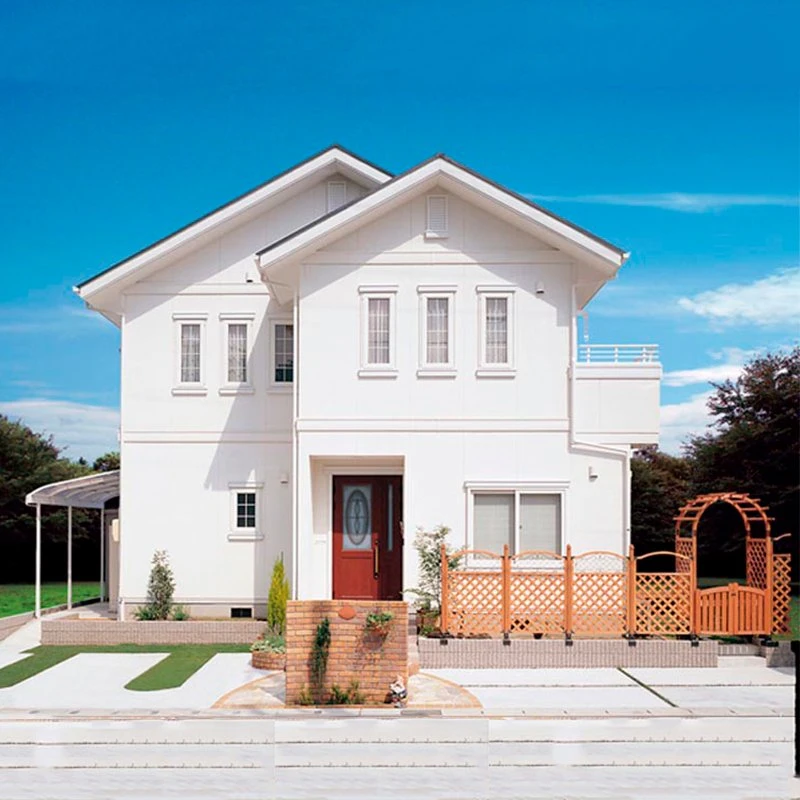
(16, 598)
(182, 662)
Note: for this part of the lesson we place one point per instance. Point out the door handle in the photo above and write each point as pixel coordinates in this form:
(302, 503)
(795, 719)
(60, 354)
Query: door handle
(375, 560)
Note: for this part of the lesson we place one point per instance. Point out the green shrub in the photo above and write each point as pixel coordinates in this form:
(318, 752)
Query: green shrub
(180, 614)
(277, 599)
(160, 589)
(428, 545)
(304, 697)
(269, 643)
(351, 696)
(319, 656)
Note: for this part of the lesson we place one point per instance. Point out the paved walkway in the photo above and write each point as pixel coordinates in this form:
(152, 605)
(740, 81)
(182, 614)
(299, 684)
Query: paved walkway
(246, 758)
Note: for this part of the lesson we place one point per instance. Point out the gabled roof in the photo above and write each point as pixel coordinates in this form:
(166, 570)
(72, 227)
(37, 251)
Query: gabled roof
(440, 168)
(336, 155)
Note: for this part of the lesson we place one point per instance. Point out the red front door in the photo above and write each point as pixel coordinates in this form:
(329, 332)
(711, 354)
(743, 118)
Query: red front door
(367, 537)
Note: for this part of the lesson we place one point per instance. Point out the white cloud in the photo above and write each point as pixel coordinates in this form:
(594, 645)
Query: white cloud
(679, 420)
(677, 201)
(85, 430)
(67, 320)
(732, 362)
(774, 300)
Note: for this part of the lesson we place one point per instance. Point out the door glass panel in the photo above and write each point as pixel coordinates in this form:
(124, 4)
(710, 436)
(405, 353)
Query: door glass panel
(357, 517)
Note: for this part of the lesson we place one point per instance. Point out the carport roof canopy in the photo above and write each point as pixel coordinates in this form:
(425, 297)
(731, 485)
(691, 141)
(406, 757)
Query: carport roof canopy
(90, 491)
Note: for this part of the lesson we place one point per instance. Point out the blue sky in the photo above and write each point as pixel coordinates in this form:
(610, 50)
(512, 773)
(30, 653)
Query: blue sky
(669, 128)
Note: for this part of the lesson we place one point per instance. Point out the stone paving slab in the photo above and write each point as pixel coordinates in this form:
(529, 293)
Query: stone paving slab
(535, 677)
(733, 697)
(586, 697)
(721, 676)
(509, 783)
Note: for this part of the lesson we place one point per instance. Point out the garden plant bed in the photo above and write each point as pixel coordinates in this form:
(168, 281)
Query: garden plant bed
(261, 659)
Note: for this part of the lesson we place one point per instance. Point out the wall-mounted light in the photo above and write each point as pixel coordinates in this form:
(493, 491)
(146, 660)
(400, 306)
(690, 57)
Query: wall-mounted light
(592, 474)
(284, 477)
(539, 287)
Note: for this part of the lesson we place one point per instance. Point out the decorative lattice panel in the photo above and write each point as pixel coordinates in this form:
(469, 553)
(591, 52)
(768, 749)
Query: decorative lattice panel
(663, 603)
(757, 563)
(475, 602)
(599, 594)
(537, 593)
(781, 577)
(684, 547)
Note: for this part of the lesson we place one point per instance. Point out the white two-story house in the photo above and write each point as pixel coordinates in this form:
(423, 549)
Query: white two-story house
(341, 356)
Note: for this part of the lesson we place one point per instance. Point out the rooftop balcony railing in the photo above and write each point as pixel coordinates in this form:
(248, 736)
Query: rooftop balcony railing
(632, 354)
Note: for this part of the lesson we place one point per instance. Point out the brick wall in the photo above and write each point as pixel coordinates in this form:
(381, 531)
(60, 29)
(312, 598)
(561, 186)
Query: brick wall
(354, 653)
(105, 632)
(584, 653)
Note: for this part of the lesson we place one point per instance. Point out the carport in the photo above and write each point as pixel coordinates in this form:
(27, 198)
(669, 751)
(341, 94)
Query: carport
(90, 491)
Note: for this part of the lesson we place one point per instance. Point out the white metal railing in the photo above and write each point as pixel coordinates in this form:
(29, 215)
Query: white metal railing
(617, 353)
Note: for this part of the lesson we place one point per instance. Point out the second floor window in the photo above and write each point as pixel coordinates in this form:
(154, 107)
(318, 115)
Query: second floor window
(378, 344)
(237, 352)
(283, 352)
(190, 352)
(496, 330)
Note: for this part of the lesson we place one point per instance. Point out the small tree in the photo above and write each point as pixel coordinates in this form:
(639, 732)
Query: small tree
(428, 545)
(277, 599)
(160, 589)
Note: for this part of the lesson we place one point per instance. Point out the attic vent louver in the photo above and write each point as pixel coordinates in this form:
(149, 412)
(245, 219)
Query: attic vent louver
(337, 194)
(436, 225)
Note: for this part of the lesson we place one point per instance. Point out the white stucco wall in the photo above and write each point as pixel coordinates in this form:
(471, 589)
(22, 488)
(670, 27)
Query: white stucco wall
(180, 454)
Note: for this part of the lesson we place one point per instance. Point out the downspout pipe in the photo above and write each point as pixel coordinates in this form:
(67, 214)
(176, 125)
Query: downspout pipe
(591, 447)
(295, 414)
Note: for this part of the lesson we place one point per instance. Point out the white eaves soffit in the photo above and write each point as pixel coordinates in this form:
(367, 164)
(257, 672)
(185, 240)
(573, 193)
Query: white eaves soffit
(99, 291)
(443, 173)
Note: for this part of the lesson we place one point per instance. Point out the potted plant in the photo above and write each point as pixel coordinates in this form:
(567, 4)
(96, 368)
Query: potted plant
(268, 652)
(379, 623)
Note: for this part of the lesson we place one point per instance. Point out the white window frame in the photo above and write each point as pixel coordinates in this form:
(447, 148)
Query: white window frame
(280, 386)
(367, 293)
(436, 370)
(493, 370)
(516, 489)
(429, 232)
(237, 534)
(328, 205)
(226, 320)
(179, 319)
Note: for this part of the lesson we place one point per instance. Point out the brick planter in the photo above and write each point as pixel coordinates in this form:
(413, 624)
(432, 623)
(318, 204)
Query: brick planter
(356, 654)
(105, 632)
(261, 659)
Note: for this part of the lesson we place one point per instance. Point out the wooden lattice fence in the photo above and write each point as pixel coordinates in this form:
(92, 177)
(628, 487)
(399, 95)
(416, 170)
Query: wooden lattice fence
(599, 594)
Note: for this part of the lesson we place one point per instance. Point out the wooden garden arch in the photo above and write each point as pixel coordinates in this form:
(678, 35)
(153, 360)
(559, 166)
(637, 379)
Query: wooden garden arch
(757, 528)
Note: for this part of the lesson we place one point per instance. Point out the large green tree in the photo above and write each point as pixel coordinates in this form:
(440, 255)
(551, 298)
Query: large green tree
(754, 446)
(29, 460)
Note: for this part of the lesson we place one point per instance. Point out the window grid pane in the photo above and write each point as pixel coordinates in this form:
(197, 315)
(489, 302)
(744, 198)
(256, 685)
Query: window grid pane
(437, 324)
(245, 510)
(190, 353)
(378, 330)
(284, 353)
(237, 353)
(496, 330)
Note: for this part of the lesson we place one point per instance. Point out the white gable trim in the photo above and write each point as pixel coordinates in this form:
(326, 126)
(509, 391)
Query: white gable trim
(441, 171)
(333, 156)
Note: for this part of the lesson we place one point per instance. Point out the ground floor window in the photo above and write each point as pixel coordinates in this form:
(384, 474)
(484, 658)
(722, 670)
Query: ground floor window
(521, 519)
(245, 511)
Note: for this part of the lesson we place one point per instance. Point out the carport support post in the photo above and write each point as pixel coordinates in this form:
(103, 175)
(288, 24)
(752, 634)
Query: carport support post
(38, 590)
(102, 554)
(69, 557)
